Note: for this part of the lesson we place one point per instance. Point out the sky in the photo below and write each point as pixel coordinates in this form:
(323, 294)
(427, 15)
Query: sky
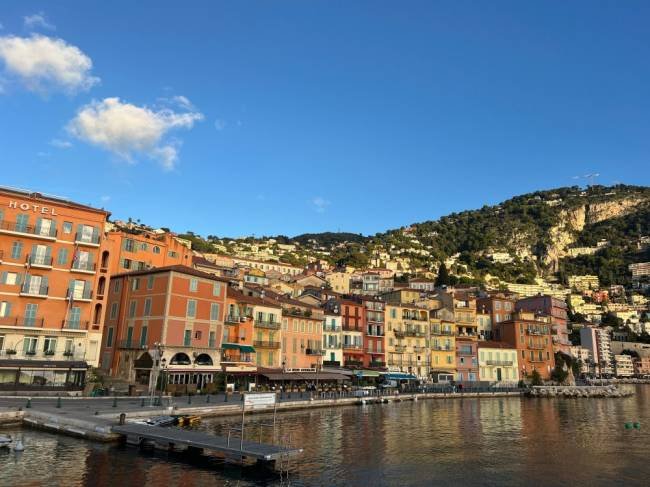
(284, 117)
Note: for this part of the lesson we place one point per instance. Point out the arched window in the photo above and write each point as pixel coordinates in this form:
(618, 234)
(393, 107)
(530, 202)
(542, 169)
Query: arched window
(180, 359)
(156, 249)
(203, 359)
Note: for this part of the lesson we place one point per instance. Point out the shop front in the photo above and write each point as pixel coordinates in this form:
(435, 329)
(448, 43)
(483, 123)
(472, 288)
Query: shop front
(43, 375)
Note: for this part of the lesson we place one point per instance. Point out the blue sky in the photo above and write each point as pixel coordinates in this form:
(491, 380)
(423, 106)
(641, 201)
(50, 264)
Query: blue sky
(284, 117)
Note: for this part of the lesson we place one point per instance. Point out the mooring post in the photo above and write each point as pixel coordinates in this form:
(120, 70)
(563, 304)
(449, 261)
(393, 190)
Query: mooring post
(114, 401)
(29, 403)
(189, 399)
(58, 402)
(207, 398)
(142, 402)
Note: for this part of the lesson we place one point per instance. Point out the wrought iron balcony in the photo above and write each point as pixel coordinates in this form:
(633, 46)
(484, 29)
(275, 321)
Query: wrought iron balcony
(87, 239)
(271, 325)
(37, 291)
(22, 321)
(75, 324)
(503, 363)
(31, 230)
(36, 260)
(84, 266)
(266, 344)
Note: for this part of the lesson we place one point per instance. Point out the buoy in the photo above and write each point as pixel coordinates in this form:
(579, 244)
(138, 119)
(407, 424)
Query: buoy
(628, 426)
(19, 446)
(637, 425)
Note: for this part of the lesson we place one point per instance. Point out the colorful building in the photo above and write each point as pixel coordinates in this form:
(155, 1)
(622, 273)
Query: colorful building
(332, 339)
(237, 348)
(173, 314)
(442, 344)
(498, 363)
(531, 336)
(54, 264)
(374, 333)
(407, 339)
(555, 308)
(466, 359)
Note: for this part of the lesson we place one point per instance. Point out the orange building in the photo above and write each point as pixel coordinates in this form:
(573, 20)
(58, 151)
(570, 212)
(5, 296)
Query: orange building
(302, 335)
(139, 249)
(53, 274)
(238, 349)
(174, 314)
(532, 337)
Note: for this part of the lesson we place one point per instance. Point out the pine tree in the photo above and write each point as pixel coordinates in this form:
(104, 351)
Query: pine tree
(442, 279)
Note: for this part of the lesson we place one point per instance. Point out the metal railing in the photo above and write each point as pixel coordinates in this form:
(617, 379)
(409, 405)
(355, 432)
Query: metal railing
(271, 325)
(75, 324)
(39, 260)
(34, 290)
(82, 238)
(84, 266)
(85, 294)
(266, 344)
(29, 229)
(504, 363)
(22, 321)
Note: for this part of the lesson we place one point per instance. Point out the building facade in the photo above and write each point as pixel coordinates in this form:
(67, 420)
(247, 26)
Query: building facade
(54, 265)
(374, 333)
(555, 308)
(498, 363)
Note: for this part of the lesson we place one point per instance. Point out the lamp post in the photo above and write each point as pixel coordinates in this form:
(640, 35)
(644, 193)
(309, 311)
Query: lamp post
(155, 371)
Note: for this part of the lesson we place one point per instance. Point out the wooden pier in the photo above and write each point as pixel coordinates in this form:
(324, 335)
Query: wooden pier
(175, 438)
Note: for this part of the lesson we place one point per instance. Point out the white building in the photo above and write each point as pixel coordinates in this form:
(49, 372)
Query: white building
(598, 344)
(332, 341)
(624, 366)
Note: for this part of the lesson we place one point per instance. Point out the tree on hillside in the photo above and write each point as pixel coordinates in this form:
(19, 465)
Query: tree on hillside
(443, 278)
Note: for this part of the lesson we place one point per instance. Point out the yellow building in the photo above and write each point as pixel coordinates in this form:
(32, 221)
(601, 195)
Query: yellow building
(497, 363)
(339, 281)
(443, 347)
(407, 339)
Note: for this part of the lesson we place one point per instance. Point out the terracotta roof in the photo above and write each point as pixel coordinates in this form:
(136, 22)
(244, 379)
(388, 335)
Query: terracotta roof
(244, 298)
(182, 269)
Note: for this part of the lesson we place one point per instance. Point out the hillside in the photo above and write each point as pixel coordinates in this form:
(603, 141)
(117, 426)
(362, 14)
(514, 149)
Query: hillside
(525, 237)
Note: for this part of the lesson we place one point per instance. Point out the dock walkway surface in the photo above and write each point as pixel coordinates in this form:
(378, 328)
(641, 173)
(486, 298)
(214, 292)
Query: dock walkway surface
(174, 437)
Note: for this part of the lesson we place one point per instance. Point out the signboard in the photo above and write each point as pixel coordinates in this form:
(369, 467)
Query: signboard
(260, 400)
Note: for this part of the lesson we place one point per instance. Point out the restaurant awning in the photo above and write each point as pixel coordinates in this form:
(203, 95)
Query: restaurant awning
(246, 349)
(399, 376)
(235, 346)
(293, 376)
(367, 373)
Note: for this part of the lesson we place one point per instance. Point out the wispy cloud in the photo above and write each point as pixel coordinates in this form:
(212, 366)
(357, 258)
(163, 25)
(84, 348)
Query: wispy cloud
(128, 130)
(60, 144)
(320, 204)
(219, 124)
(44, 63)
(105, 199)
(36, 21)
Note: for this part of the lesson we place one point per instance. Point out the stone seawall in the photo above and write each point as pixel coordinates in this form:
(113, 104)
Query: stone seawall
(578, 391)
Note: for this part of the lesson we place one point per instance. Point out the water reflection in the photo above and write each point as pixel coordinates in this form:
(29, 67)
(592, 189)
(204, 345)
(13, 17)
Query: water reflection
(496, 441)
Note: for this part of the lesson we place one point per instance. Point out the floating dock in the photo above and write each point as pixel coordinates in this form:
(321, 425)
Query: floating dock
(175, 438)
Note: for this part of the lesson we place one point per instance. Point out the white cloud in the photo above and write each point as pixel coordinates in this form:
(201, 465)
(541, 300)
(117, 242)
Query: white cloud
(320, 204)
(129, 130)
(60, 144)
(219, 124)
(105, 199)
(43, 63)
(37, 20)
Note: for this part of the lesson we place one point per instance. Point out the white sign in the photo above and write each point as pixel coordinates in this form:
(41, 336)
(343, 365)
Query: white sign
(260, 400)
(45, 210)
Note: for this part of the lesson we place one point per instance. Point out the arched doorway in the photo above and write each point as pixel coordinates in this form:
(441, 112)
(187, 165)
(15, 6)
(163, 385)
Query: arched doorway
(97, 316)
(203, 359)
(142, 366)
(104, 263)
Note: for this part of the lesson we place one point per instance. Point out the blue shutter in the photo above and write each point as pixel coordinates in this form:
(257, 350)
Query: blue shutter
(19, 279)
(8, 309)
(44, 283)
(3, 279)
(38, 225)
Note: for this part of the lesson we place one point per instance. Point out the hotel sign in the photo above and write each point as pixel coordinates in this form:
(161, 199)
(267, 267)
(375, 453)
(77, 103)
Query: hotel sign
(43, 210)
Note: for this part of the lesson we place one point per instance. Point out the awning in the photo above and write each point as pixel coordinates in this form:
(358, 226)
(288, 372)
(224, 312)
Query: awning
(292, 376)
(367, 373)
(399, 376)
(43, 364)
(246, 349)
(230, 346)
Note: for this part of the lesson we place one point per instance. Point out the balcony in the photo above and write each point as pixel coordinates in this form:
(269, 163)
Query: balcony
(26, 321)
(331, 363)
(502, 363)
(74, 325)
(375, 333)
(536, 346)
(39, 261)
(34, 291)
(331, 329)
(314, 351)
(233, 358)
(442, 348)
(85, 295)
(14, 228)
(417, 349)
(466, 353)
(131, 345)
(86, 239)
(352, 328)
(352, 347)
(353, 363)
(84, 267)
(332, 346)
(235, 319)
(269, 325)
(400, 349)
(266, 344)
(377, 363)
(374, 352)
(534, 331)
(435, 331)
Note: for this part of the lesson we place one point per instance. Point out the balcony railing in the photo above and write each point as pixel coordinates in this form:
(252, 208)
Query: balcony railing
(28, 229)
(435, 331)
(330, 328)
(75, 324)
(332, 345)
(504, 363)
(84, 238)
(132, 345)
(536, 346)
(353, 363)
(460, 351)
(271, 325)
(400, 349)
(32, 290)
(22, 321)
(39, 260)
(245, 358)
(86, 294)
(314, 351)
(377, 364)
(352, 328)
(331, 363)
(374, 352)
(236, 319)
(84, 266)
(442, 348)
(352, 346)
(265, 344)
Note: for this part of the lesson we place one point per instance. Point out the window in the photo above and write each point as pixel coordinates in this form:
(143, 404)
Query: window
(132, 307)
(128, 244)
(21, 222)
(187, 341)
(143, 336)
(191, 308)
(5, 309)
(172, 254)
(126, 263)
(194, 285)
(135, 284)
(497, 305)
(393, 313)
(270, 359)
(16, 250)
(62, 257)
(214, 311)
(74, 317)
(49, 345)
(216, 289)
(156, 249)
(144, 247)
(109, 337)
(116, 286)
(67, 227)
(29, 345)
(69, 347)
(147, 307)
(211, 339)
(129, 336)
(150, 282)
(10, 278)
(198, 335)
(113, 313)
(30, 314)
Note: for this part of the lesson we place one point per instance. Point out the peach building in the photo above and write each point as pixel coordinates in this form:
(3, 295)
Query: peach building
(174, 314)
(139, 249)
(54, 263)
